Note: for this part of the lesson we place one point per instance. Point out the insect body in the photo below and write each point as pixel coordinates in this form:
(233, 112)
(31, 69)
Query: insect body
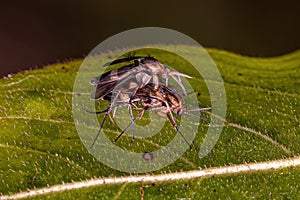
(141, 69)
(164, 100)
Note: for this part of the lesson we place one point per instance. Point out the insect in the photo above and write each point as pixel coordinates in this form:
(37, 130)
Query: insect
(164, 100)
(141, 69)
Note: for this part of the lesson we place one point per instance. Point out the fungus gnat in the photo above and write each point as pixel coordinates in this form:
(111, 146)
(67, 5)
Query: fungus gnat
(141, 69)
(164, 100)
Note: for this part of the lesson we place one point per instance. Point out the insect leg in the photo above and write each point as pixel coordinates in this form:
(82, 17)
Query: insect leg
(180, 74)
(178, 81)
(115, 110)
(171, 119)
(155, 81)
(178, 130)
(167, 81)
(104, 119)
(132, 122)
(111, 119)
(130, 110)
(134, 119)
(143, 78)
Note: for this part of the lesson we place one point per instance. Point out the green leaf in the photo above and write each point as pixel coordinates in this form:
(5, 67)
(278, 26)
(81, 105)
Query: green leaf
(40, 147)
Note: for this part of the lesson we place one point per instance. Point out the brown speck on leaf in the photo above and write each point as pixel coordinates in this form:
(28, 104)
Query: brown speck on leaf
(142, 192)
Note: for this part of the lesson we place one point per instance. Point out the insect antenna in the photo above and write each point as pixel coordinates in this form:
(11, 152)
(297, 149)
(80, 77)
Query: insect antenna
(199, 116)
(178, 79)
(199, 109)
(189, 112)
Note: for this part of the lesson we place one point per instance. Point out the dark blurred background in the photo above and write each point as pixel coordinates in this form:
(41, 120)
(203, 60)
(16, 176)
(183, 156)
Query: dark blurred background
(36, 33)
